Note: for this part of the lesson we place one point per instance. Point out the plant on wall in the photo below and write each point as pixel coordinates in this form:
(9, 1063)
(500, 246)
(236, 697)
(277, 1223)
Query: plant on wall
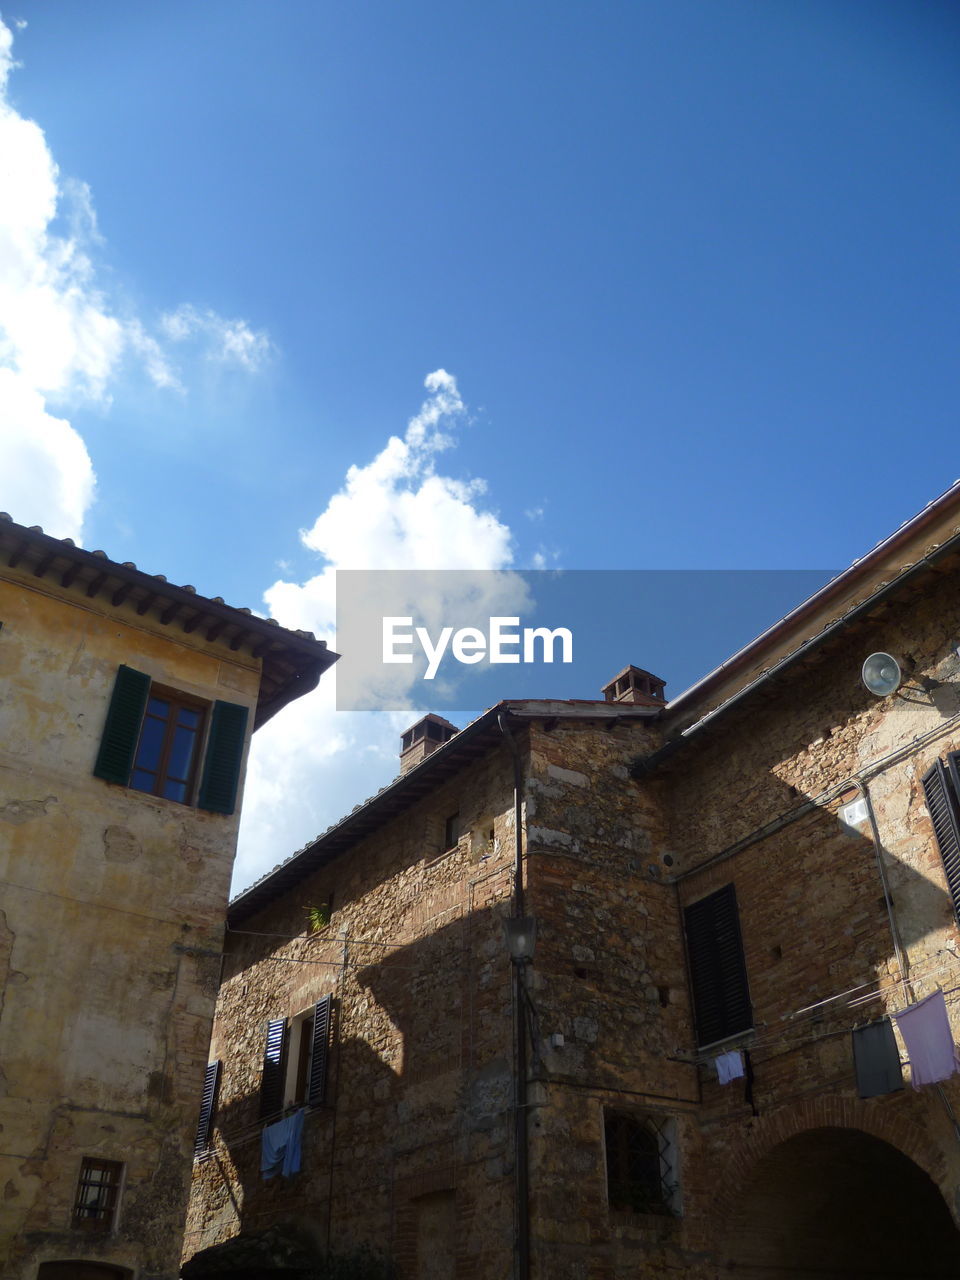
(318, 917)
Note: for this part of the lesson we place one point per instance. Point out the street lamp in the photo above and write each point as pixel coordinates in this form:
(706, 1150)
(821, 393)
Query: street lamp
(521, 936)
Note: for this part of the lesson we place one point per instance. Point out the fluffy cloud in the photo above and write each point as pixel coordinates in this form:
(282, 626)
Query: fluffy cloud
(396, 512)
(225, 341)
(46, 470)
(62, 342)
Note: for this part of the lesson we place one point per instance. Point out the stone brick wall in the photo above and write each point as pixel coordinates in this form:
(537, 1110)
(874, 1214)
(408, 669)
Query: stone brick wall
(420, 1082)
(811, 899)
(415, 1153)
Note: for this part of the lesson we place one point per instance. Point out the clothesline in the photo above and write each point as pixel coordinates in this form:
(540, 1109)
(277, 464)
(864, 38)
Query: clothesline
(766, 1034)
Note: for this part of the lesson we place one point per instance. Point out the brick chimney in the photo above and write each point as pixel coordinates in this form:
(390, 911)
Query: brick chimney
(423, 738)
(635, 685)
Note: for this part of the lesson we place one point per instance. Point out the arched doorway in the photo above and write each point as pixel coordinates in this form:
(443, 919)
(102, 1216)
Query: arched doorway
(840, 1204)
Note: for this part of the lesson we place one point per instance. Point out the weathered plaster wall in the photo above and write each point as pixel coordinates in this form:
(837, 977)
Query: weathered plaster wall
(110, 932)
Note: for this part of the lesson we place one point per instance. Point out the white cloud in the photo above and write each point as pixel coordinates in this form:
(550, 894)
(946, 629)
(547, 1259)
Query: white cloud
(226, 341)
(47, 474)
(62, 341)
(313, 762)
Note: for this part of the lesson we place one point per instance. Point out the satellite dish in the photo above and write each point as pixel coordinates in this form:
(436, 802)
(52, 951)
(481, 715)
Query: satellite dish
(881, 674)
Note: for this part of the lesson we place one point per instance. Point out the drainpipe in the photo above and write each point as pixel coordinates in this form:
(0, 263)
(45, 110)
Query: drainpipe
(519, 1026)
(902, 962)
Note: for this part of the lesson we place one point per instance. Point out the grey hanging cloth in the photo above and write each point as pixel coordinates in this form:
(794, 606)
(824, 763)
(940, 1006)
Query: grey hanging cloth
(876, 1059)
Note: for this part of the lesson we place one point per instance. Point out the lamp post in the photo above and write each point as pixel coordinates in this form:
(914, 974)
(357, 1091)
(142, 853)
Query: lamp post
(520, 933)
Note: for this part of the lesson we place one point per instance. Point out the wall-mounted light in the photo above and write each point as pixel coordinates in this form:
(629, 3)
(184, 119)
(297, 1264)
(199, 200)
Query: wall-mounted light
(521, 935)
(881, 674)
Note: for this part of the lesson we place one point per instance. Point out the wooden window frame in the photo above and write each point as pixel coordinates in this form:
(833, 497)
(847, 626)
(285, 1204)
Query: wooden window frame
(219, 750)
(941, 791)
(102, 1221)
(717, 967)
(208, 1109)
(451, 823)
(177, 701)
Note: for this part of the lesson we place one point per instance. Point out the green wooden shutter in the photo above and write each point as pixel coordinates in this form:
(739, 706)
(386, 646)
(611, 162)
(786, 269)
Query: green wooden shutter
(221, 768)
(317, 1091)
(208, 1102)
(271, 1083)
(718, 973)
(122, 730)
(940, 790)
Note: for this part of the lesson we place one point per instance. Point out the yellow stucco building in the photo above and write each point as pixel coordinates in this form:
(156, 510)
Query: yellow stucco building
(126, 709)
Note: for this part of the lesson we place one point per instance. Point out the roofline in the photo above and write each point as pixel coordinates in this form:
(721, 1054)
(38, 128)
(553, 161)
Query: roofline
(644, 766)
(408, 788)
(838, 586)
(306, 657)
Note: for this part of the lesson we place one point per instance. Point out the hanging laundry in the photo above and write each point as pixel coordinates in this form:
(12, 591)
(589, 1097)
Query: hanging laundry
(729, 1066)
(925, 1028)
(876, 1059)
(280, 1146)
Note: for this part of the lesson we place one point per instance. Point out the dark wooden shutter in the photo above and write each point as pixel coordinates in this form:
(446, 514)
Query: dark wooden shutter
(718, 974)
(317, 1093)
(271, 1084)
(221, 769)
(941, 787)
(208, 1102)
(121, 732)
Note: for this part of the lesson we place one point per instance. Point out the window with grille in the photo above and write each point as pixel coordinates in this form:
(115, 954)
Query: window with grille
(98, 1191)
(641, 1163)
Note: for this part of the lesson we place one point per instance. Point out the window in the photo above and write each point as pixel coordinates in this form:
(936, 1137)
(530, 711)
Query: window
(941, 788)
(641, 1163)
(98, 1191)
(208, 1107)
(154, 738)
(451, 831)
(295, 1060)
(718, 974)
(167, 752)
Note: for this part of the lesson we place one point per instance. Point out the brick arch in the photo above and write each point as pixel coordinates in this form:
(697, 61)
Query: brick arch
(768, 1132)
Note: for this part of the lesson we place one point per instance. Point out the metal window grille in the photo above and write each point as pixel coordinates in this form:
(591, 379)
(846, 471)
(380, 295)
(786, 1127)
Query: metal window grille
(97, 1192)
(640, 1174)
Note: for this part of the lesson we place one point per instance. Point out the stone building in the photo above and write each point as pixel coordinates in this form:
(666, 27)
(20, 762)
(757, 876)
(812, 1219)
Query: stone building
(126, 706)
(745, 881)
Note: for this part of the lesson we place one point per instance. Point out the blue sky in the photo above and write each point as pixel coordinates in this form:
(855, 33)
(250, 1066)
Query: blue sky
(690, 270)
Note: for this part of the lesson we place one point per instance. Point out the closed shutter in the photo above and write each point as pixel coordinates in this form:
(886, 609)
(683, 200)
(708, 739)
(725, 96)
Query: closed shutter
(271, 1085)
(941, 787)
(208, 1102)
(221, 769)
(121, 732)
(317, 1093)
(718, 974)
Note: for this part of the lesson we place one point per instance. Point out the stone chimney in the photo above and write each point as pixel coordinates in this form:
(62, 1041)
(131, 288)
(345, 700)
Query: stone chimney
(423, 738)
(635, 685)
